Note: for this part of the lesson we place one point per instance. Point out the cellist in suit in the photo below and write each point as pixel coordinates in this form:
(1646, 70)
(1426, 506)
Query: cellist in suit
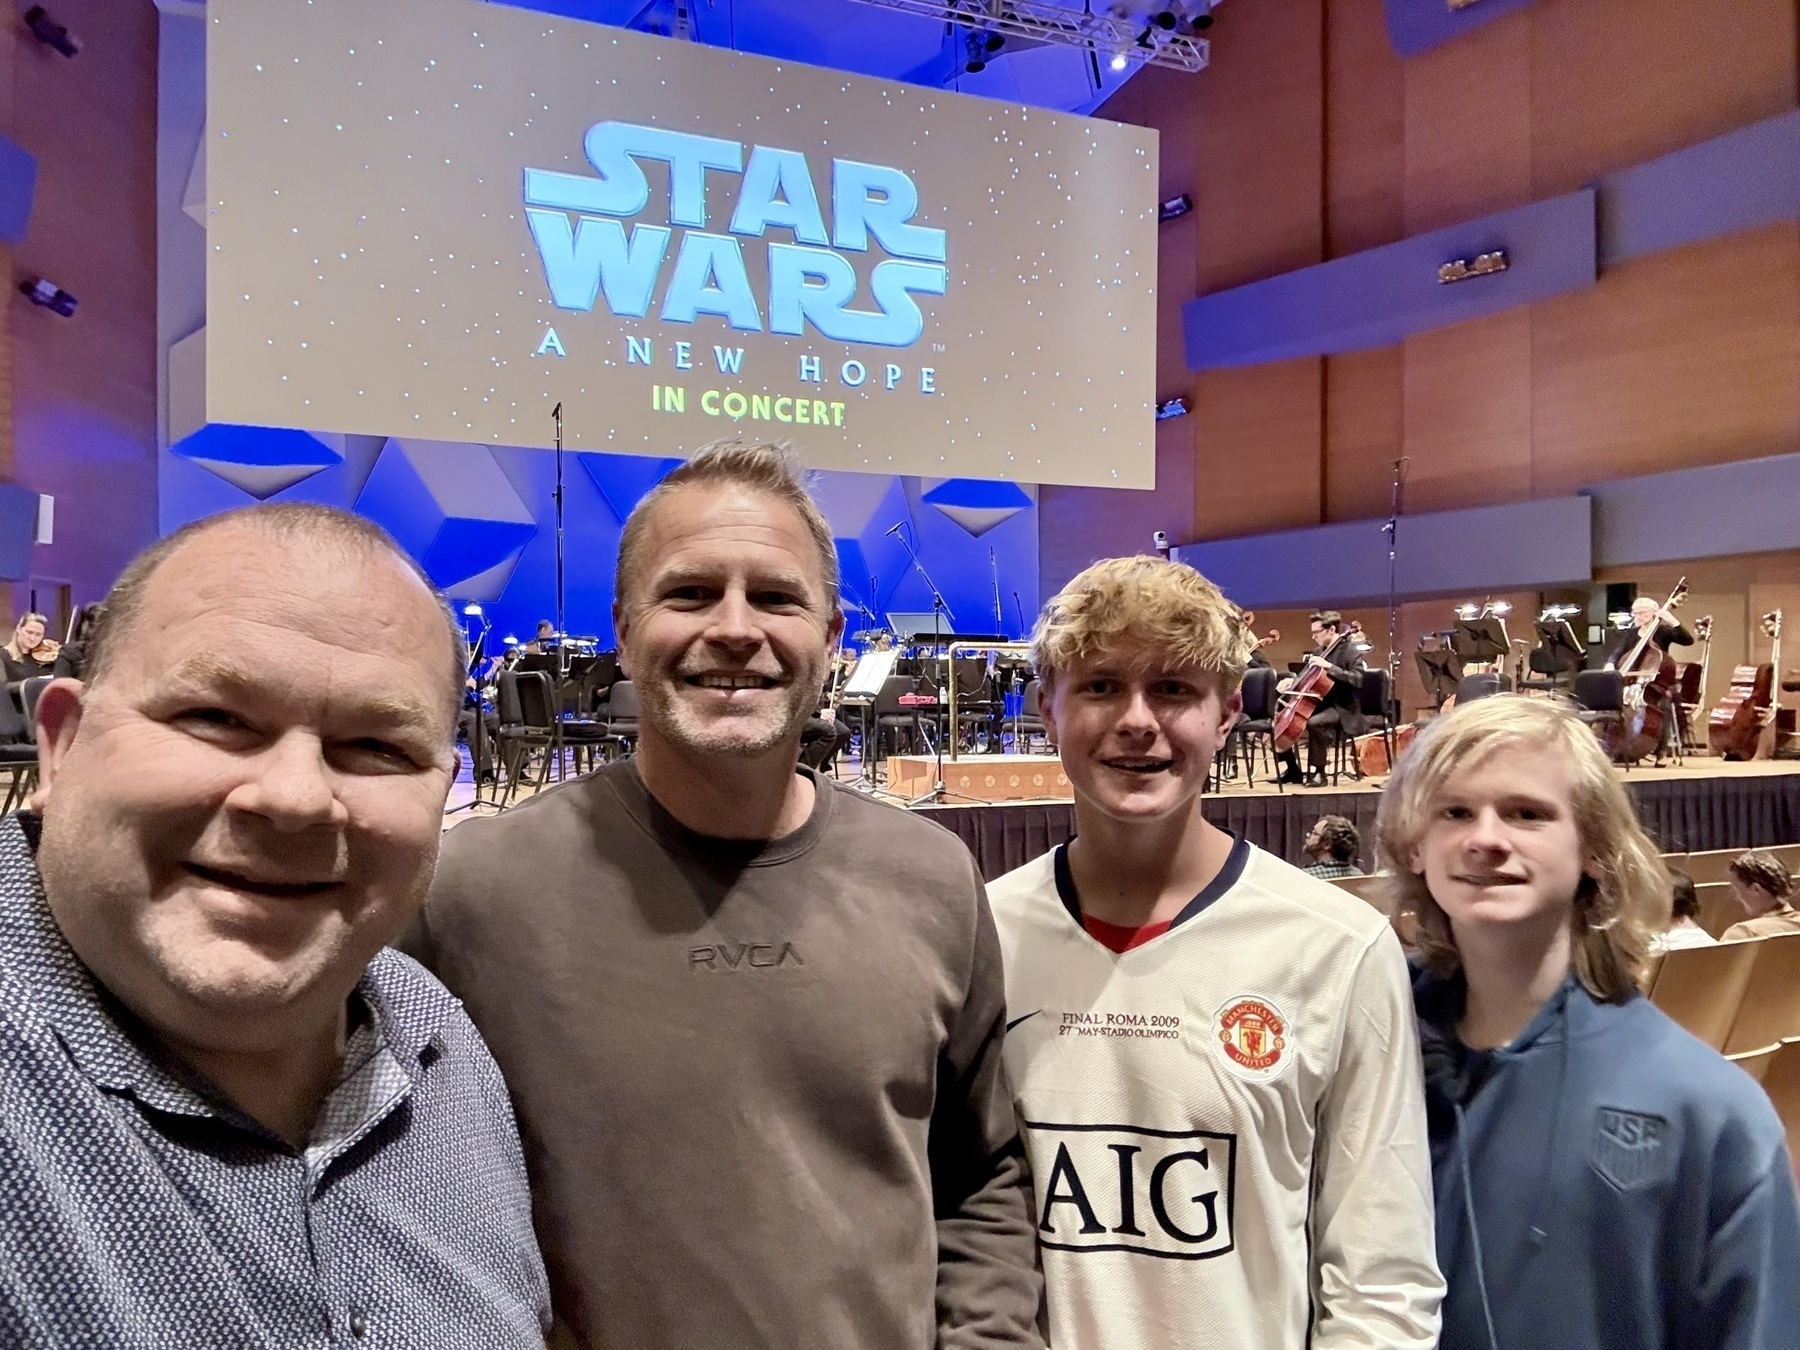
(1333, 649)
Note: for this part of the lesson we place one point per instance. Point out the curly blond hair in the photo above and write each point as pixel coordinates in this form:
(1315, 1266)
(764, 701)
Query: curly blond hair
(1624, 898)
(1151, 605)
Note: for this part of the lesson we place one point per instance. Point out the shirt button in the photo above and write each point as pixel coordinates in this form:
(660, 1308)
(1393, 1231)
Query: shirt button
(359, 1325)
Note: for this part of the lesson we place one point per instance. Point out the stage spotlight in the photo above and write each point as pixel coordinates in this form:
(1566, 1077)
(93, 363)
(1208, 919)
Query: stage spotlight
(1175, 208)
(1174, 407)
(994, 41)
(1119, 61)
(1166, 20)
(1203, 20)
(975, 53)
(473, 609)
(48, 294)
(51, 33)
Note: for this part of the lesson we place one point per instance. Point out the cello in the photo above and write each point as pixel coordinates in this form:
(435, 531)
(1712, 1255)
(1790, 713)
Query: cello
(1301, 698)
(1743, 725)
(1648, 696)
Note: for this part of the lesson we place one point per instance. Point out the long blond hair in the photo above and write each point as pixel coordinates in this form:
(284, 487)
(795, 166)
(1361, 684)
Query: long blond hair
(1624, 897)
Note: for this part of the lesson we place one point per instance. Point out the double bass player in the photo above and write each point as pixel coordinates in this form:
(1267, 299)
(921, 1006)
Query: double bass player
(1655, 621)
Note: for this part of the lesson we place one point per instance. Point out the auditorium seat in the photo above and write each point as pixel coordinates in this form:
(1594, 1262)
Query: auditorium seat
(1701, 987)
(1769, 1011)
(1718, 909)
(1755, 1062)
(1715, 864)
(1781, 1080)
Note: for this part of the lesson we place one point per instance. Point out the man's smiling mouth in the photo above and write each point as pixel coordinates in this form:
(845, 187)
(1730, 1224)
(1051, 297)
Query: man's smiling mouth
(279, 890)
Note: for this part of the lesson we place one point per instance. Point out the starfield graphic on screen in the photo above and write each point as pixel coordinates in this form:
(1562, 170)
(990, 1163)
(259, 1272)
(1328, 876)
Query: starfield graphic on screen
(440, 219)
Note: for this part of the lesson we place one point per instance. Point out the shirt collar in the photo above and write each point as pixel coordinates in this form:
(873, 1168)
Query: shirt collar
(388, 1052)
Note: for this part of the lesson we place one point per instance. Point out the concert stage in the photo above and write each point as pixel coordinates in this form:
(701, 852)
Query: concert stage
(1703, 804)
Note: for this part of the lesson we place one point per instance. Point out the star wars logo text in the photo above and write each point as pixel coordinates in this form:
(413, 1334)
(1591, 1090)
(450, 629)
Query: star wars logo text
(1123, 1188)
(579, 223)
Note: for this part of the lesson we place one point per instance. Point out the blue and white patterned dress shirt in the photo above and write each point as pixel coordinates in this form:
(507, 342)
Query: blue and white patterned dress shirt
(140, 1211)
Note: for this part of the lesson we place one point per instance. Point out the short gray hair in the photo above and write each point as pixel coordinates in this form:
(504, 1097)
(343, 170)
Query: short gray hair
(767, 468)
(298, 521)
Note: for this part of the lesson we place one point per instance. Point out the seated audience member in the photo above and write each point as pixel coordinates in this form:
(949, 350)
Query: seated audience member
(28, 653)
(1685, 929)
(1209, 1050)
(1333, 844)
(228, 1117)
(1763, 887)
(1603, 1180)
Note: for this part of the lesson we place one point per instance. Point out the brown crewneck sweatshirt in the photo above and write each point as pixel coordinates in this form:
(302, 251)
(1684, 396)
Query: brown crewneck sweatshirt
(759, 1084)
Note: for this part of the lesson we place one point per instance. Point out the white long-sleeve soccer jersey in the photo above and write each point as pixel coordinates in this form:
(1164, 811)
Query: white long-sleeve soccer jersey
(1226, 1124)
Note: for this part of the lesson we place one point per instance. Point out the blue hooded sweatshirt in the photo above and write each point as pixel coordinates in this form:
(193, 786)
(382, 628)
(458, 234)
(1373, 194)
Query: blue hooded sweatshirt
(1605, 1182)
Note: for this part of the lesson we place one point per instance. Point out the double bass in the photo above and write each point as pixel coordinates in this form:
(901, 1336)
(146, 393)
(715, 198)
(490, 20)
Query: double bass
(1692, 689)
(1743, 725)
(1650, 675)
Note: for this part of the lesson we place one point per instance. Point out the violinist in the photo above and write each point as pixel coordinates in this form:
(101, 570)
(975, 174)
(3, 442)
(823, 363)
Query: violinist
(1334, 650)
(1659, 624)
(29, 653)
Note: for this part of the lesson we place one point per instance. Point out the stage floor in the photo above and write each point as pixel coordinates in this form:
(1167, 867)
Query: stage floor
(1701, 804)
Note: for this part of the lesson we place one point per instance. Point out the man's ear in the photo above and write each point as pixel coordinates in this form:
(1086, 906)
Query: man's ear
(834, 631)
(621, 630)
(1230, 709)
(59, 709)
(1046, 712)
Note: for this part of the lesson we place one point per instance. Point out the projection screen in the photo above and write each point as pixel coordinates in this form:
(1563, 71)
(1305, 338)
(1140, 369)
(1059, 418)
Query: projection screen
(440, 219)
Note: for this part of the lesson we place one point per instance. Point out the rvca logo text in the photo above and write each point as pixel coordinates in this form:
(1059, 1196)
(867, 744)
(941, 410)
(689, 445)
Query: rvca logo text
(730, 956)
(1124, 1188)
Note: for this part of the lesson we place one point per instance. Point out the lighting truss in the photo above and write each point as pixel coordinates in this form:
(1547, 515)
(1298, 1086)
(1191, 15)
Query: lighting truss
(1105, 35)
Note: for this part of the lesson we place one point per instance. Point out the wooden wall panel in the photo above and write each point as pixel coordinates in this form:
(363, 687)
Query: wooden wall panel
(1468, 126)
(1365, 130)
(1260, 130)
(1257, 438)
(1365, 431)
(84, 389)
(1618, 82)
(1673, 360)
(1468, 413)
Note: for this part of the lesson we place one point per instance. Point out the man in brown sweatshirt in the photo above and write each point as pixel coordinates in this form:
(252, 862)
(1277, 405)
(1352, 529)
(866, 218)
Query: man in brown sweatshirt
(751, 1020)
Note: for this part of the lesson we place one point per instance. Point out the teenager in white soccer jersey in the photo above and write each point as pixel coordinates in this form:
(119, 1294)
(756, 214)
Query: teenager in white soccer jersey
(1211, 1052)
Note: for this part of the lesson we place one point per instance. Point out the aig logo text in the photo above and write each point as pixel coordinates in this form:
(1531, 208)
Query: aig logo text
(579, 224)
(1123, 1188)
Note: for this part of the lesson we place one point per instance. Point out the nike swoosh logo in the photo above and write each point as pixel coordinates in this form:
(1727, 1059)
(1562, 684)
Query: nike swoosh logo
(1026, 1018)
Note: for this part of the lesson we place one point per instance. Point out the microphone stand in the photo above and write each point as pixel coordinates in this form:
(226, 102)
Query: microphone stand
(1392, 530)
(478, 732)
(939, 609)
(999, 615)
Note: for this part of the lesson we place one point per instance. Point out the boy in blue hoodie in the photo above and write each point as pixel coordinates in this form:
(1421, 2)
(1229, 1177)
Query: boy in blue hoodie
(1604, 1181)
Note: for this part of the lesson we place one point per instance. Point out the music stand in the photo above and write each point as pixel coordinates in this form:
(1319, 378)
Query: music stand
(1479, 641)
(1440, 668)
(1559, 652)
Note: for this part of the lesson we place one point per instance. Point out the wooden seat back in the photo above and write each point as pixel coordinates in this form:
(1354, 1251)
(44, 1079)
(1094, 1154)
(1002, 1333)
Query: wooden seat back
(1769, 1011)
(1702, 987)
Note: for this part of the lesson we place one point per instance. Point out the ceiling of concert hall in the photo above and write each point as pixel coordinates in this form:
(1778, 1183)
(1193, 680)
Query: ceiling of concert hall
(866, 39)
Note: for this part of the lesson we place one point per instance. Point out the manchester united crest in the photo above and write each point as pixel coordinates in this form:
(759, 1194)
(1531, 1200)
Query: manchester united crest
(1252, 1034)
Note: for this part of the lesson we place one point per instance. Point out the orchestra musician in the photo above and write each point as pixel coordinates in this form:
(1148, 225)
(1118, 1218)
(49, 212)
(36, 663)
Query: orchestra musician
(28, 653)
(1648, 619)
(1333, 649)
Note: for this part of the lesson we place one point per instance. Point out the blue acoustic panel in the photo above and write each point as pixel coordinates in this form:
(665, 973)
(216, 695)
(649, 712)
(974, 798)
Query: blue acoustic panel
(625, 479)
(1416, 26)
(258, 460)
(1524, 545)
(18, 530)
(18, 186)
(1738, 181)
(1752, 506)
(1379, 296)
(978, 505)
(452, 507)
